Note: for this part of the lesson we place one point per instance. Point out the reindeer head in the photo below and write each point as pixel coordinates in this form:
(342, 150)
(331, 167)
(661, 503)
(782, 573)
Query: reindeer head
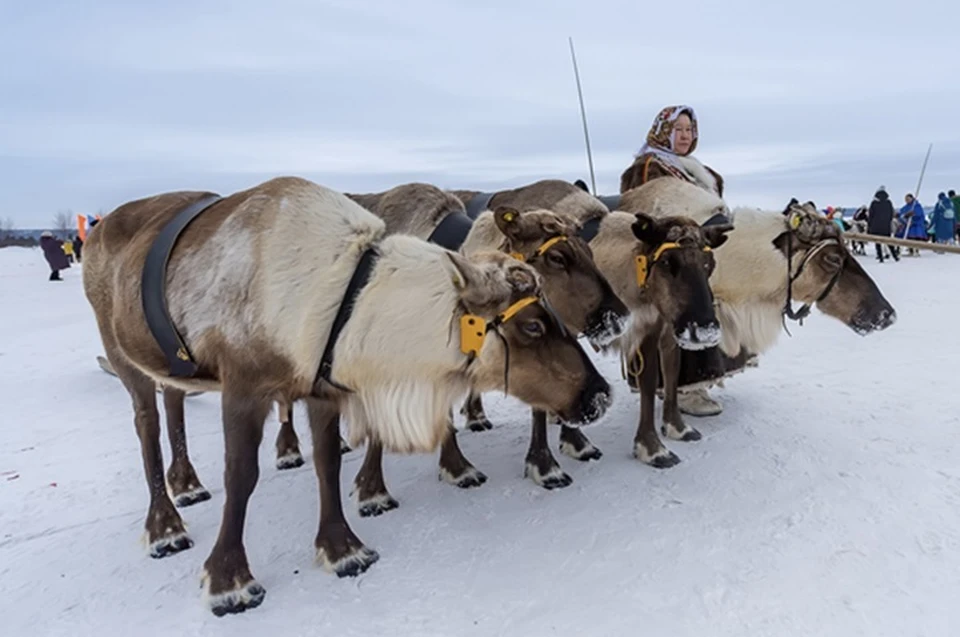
(574, 285)
(822, 272)
(522, 346)
(674, 261)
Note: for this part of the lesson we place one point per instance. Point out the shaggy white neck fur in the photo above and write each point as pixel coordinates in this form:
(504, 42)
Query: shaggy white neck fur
(700, 174)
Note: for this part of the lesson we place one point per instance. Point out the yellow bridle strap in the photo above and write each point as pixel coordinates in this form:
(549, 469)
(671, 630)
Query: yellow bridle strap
(512, 311)
(549, 243)
(663, 248)
(643, 263)
(473, 329)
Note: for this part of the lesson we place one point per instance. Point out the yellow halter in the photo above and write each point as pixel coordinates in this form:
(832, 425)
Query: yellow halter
(473, 329)
(546, 245)
(644, 263)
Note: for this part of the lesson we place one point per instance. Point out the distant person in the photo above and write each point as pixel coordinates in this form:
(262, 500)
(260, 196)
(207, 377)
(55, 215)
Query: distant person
(77, 246)
(914, 221)
(54, 254)
(860, 226)
(956, 208)
(880, 221)
(944, 221)
(68, 249)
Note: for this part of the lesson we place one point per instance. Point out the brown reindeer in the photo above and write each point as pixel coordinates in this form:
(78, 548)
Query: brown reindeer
(674, 299)
(576, 289)
(290, 291)
(771, 261)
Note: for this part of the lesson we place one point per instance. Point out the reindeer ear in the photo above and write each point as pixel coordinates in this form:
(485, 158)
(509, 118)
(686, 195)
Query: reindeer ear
(793, 202)
(552, 225)
(647, 230)
(523, 279)
(463, 273)
(716, 236)
(510, 222)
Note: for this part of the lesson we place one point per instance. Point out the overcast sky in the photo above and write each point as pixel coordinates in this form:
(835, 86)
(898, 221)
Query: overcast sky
(106, 101)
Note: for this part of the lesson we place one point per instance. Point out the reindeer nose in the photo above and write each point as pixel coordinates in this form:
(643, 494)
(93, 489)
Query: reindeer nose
(695, 336)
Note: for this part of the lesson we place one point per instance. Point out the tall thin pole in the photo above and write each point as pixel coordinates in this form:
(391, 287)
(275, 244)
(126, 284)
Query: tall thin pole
(583, 116)
(923, 170)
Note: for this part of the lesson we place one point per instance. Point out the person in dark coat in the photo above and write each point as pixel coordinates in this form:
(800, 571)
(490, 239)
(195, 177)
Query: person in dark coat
(880, 221)
(77, 247)
(53, 253)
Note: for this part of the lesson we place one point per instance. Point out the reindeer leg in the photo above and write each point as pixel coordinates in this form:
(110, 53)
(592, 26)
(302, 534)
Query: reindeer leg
(574, 444)
(229, 587)
(165, 531)
(339, 550)
(673, 425)
(182, 478)
(541, 466)
(473, 411)
(288, 445)
(368, 486)
(454, 467)
(646, 445)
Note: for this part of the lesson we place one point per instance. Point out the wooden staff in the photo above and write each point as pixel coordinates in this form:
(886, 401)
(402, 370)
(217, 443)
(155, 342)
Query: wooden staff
(906, 243)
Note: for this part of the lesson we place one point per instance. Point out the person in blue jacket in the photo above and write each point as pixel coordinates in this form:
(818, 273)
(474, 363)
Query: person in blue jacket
(944, 219)
(914, 222)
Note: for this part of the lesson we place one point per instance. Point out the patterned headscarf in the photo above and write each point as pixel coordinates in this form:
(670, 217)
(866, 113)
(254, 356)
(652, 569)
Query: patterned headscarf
(661, 135)
(660, 143)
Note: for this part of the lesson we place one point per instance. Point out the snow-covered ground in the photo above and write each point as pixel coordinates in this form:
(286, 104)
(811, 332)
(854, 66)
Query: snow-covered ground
(825, 500)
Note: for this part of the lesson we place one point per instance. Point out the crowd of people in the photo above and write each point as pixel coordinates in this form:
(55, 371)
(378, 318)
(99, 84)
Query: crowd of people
(910, 221)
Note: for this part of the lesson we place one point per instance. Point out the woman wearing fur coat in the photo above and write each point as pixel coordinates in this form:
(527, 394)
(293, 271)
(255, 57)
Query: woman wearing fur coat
(668, 153)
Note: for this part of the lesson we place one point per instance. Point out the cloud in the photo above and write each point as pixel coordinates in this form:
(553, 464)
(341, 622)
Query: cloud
(108, 100)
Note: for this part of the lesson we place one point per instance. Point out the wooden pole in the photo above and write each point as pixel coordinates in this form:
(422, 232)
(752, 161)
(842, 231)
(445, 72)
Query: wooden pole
(583, 116)
(906, 243)
(922, 171)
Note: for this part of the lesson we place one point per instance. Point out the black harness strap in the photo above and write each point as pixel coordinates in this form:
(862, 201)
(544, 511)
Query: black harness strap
(590, 229)
(612, 202)
(452, 231)
(361, 275)
(153, 287)
(716, 220)
(478, 204)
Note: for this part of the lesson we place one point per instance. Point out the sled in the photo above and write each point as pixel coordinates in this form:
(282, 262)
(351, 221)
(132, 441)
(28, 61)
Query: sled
(107, 367)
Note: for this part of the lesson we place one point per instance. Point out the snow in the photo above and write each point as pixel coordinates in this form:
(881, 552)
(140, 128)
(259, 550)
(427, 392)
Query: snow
(824, 500)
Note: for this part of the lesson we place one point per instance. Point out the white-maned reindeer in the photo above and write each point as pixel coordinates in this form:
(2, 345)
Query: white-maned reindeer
(771, 260)
(253, 287)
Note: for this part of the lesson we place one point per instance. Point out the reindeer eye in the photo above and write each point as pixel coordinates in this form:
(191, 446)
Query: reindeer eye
(554, 259)
(534, 329)
(834, 261)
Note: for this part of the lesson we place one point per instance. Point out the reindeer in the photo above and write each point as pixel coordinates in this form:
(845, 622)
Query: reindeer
(291, 291)
(674, 297)
(771, 260)
(576, 289)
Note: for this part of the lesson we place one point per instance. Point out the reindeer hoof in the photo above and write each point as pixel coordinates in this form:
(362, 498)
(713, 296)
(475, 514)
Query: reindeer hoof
(193, 496)
(290, 460)
(344, 447)
(687, 434)
(348, 558)
(377, 505)
(170, 545)
(480, 424)
(661, 459)
(249, 595)
(471, 477)
(585, 454)
(554, 478)
(357, 563)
